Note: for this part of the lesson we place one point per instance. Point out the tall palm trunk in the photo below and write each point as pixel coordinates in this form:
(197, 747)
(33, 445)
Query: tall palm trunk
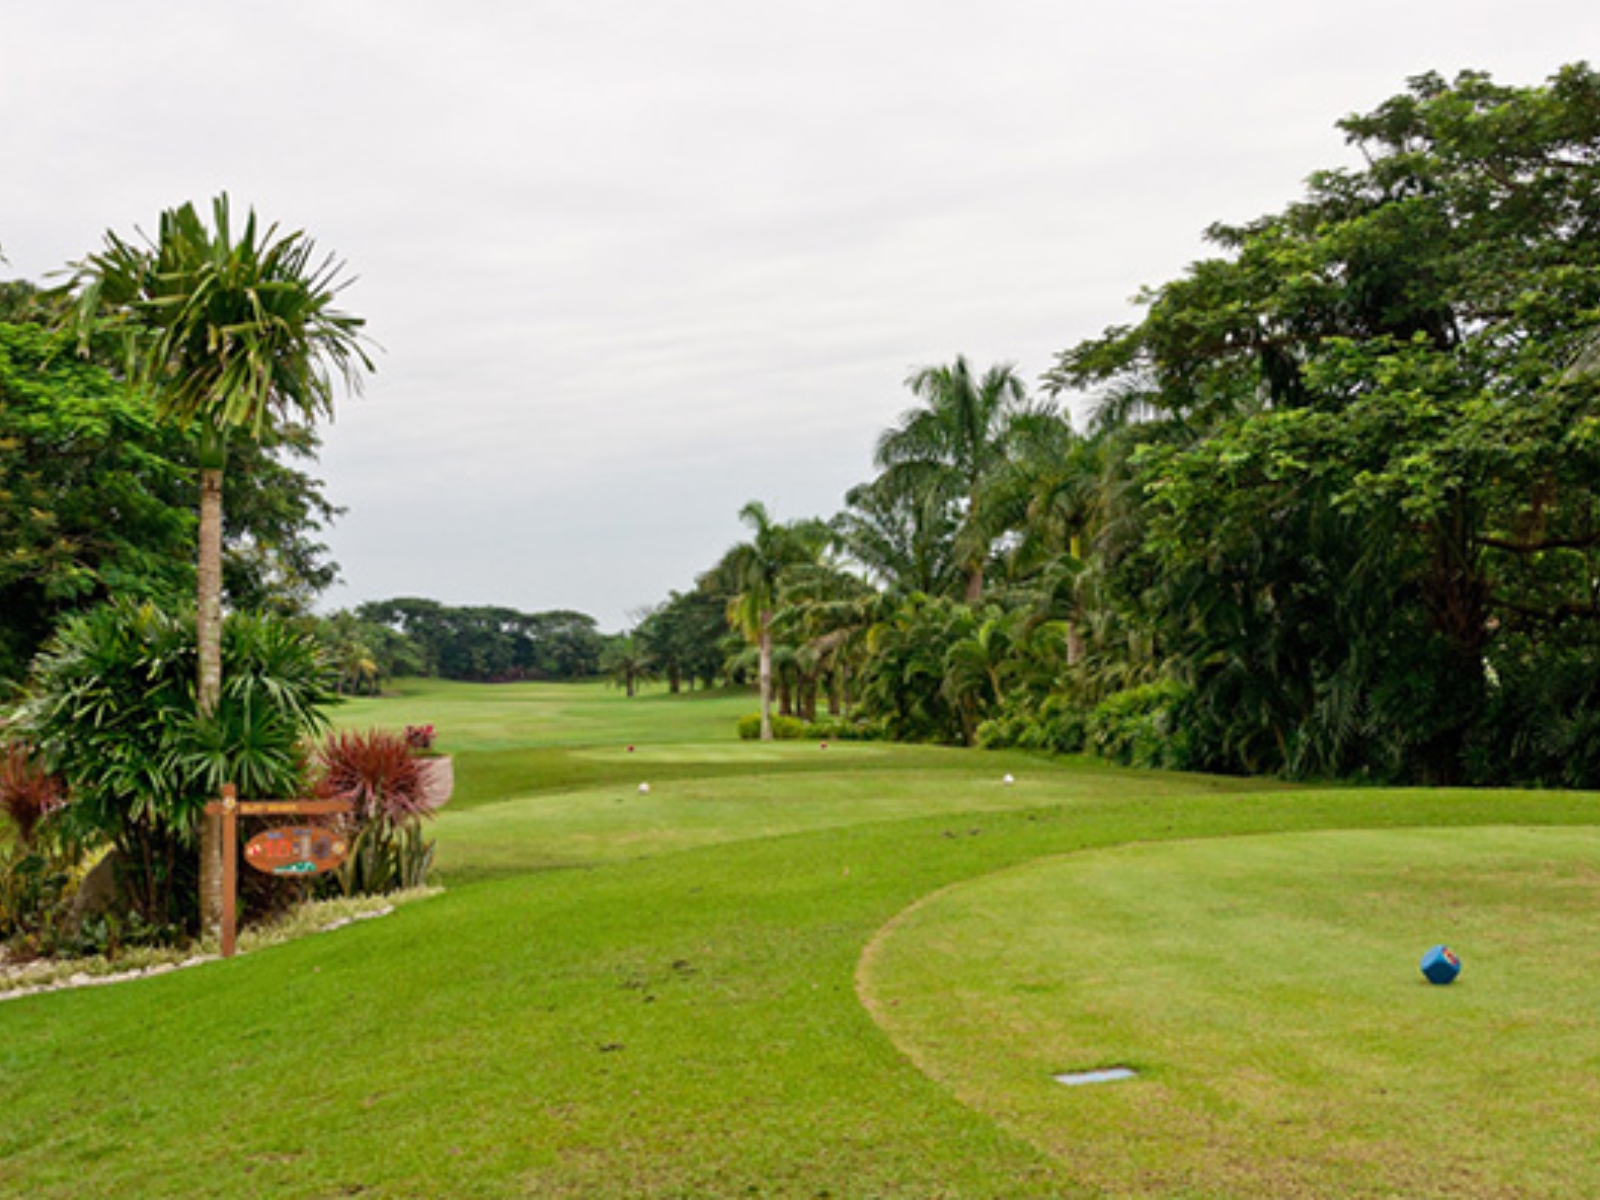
(764, 651)
(1076, 647)
(208, 603)
(975, 583)
(209, 597)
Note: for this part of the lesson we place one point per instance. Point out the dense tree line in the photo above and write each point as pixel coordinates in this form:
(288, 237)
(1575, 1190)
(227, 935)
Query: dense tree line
(1336, 513)
(485, 643)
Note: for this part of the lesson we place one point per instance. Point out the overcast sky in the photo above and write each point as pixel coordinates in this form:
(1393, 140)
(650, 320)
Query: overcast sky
(632, 264)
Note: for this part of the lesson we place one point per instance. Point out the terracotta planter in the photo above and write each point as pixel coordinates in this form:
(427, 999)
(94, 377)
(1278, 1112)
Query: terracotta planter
(438, 780)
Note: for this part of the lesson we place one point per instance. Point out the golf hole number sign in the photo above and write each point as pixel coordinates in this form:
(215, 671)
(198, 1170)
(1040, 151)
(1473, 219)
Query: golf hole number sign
(300, 850)
(293, 850)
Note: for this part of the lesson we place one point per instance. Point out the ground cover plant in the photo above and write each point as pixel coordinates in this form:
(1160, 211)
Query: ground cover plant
(626, 994)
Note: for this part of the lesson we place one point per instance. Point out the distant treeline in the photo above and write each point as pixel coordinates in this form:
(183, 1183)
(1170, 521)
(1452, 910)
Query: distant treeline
(412, 636)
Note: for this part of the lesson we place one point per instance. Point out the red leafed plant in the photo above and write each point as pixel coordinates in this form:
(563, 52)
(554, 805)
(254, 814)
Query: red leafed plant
(27, 793)
(377, 771)
(380, 773)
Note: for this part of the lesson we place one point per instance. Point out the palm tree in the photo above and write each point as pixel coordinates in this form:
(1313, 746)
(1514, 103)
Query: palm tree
(1049, 494)
(754, 572)
(903, 540)
(628, 662)
(227, 334)
(975, 668)
(828, 610)
(949, 448)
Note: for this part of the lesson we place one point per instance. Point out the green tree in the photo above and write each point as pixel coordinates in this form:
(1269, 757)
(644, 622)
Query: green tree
(755, 573)
(488, 643)
(98, 501)
(227, 333)
(627, 662)
(1386, 387)
(948, 449)
(976, 667)
(903, 538)
(683, 636)
(903, 680)
(92, 493)
(272, 560)
(827, 612)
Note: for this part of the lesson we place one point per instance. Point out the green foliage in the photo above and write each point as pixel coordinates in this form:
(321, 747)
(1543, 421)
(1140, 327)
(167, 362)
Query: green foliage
(943, 455)
(95, 495)
(37, 883)
(1343, 482)
(227, 332)
(379, 772)
(784, 729)
(902, 684)
(627, 662)
(755, 574)
(904, 538)
(683, 636)
(111, 708)
(1142, 727)
(271, 558)
(1368, 453)
(841, 729)
(1054, 724)
(1541, 723)
(481, 644)
(98, 501)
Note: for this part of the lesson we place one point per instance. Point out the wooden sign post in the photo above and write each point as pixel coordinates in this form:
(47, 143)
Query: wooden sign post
(230, 808)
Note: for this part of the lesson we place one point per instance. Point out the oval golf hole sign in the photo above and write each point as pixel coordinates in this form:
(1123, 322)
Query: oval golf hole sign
(1102, 1075)
(299, 850)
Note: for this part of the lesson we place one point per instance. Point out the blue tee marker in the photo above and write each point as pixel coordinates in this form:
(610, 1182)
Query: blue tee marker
(1440, 965)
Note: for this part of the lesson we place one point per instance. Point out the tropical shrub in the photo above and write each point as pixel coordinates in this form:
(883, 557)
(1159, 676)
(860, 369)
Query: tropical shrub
(111, 708)
(1541, 724)
(784, 729)
(1054, 724)
(1143, 727)
(842, 729)
(37, 883)
(40, 867)
(902, 684)
(28, 793)
(379, 773)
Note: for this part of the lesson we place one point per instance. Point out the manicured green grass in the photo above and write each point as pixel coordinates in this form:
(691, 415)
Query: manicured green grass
(469, 716)
(622, 995)
(1267, 992)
